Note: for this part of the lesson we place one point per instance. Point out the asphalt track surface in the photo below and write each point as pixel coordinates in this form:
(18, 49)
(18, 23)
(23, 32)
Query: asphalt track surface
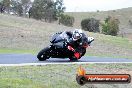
(29, 58)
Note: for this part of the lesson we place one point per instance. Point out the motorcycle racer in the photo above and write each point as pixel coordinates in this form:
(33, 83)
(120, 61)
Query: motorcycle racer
(74, 40)
(67, 44)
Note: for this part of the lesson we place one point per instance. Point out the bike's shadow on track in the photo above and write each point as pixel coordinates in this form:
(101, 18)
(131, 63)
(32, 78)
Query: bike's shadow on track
(55, 60)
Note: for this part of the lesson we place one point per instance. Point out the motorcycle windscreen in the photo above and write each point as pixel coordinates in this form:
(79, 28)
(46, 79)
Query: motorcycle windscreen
(84, 39)
(59, 37)
(56, 38)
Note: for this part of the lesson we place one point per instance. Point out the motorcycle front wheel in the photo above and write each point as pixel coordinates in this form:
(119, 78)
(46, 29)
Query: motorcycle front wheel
(43, 54)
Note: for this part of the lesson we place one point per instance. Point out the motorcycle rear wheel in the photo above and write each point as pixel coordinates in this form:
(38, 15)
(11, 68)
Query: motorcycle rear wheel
(73, 59)
(43, 54)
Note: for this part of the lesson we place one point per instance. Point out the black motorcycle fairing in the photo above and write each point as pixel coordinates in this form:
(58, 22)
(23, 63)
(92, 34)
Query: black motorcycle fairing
(58, 40)
(60, 52)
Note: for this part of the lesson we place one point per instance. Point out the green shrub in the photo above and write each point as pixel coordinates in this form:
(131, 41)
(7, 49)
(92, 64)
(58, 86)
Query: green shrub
(66, 20)
(111, 26)
(90, 24)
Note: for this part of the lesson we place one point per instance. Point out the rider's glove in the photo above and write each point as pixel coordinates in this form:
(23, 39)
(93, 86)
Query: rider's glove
(70, 48)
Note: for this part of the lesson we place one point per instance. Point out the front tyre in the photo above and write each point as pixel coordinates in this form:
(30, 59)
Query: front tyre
(43, 54)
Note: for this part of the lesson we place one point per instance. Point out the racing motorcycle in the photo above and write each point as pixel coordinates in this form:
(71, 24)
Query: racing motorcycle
(61, 49)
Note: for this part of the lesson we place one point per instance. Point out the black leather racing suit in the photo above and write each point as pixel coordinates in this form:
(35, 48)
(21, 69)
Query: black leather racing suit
(77, 45)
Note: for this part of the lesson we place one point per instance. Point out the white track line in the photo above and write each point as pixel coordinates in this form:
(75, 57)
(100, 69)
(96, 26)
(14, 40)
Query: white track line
(42, 64)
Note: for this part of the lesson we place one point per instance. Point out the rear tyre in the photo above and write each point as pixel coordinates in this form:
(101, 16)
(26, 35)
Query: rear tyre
(43, 54)
(73, 59)
(83, 53)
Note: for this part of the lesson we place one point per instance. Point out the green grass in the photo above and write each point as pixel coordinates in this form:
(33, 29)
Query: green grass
(48, 76)
(12, 51)
(112, 40)
(55, 76)
(118, 41)
(19, 83)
